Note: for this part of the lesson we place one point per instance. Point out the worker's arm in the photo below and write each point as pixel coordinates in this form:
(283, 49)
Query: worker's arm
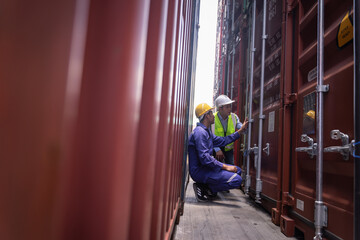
(201, 142)
(223, 141)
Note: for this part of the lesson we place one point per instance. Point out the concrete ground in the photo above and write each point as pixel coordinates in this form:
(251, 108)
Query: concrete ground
(230, 216)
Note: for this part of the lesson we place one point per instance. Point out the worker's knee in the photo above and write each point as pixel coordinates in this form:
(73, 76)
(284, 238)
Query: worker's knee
(235, 182)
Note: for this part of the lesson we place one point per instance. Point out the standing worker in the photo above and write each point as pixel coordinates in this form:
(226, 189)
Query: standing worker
(226, 123)
(210, 175)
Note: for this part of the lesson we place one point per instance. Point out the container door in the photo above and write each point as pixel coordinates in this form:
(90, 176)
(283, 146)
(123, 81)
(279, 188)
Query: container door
(338, 114)
(271, 159)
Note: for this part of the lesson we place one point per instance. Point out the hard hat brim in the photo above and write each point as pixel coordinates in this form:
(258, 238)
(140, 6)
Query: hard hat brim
(232, 101)
(208, 111)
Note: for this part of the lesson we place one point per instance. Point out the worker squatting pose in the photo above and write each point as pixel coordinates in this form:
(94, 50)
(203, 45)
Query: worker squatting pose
(210, 175)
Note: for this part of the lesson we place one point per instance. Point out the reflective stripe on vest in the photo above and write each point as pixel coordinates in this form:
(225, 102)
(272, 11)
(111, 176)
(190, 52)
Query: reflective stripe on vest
(218, 129)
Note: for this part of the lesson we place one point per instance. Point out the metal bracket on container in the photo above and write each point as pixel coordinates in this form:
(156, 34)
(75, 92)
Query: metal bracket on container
(267, 149)
(311, 150)
(264, 36)
(321, 214)
(345, 149)
(255, 150)
(251, 120)
(322, 88)
(258, 185)
(250, 150)
(261, 116)
(242, 147)
(258, 190)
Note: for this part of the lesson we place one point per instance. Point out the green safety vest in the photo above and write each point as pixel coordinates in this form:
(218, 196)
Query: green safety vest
(218, 129)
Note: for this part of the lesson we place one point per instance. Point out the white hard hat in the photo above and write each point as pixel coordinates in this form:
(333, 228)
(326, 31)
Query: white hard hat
(222, 100)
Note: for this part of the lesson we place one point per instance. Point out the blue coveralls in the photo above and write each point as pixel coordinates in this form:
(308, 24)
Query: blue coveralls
(203, 167)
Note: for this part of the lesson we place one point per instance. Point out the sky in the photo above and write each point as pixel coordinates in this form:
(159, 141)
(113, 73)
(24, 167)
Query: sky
(204, 77)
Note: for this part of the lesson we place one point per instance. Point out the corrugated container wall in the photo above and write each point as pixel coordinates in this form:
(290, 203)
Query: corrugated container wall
(96, 99)
(288, 170)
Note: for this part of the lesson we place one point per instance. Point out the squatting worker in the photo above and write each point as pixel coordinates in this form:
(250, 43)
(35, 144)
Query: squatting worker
(210, 175)
(226, 123)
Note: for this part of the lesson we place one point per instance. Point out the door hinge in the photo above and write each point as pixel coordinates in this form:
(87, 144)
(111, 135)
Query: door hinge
(290, 98)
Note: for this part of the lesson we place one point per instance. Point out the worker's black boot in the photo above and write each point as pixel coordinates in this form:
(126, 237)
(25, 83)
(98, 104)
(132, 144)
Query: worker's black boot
(207, 191)
(200, 193)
